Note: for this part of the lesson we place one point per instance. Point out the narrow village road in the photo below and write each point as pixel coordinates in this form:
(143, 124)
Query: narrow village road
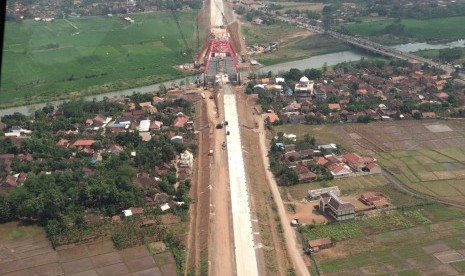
(294, 249)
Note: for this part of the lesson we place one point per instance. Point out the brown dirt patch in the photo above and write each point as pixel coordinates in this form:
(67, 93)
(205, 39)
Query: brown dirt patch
(168, 269)
(101, 247)
(116, 269)
(306, 214)
(164, 258)
(199, 192)
(77, 266)
(438, 247)
(140, 264)
(130, 254)
(170, 218)
(48, 269)
(149, 272)
(106, 259)
(73, 253)
(86, 273)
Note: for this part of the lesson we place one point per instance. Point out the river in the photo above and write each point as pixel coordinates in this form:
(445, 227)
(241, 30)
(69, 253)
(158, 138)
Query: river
(413, 47)
(315, 61)
(308, 63)
(312, 62)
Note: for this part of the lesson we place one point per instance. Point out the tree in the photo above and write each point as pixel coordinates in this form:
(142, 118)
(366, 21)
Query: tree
(394, 29)
(449, 55)
(288, 177)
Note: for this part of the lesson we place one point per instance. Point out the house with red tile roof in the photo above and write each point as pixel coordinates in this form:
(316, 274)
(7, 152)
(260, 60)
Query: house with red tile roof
(181, 121)
(155, 125)
(8, 182)
(83, 143)
(357, 162)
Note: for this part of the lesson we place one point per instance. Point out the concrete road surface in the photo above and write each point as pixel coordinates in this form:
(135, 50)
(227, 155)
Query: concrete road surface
(244, 246)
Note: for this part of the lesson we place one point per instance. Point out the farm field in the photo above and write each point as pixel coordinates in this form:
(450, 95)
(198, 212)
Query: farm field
(436, 29)
(294, 43)
(25, 250)
(418, 237)
(83, 56)
(427, 156)
(415, 247)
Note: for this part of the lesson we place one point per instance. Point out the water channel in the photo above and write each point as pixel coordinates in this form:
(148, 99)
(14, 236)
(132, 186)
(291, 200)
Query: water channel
(308, 63)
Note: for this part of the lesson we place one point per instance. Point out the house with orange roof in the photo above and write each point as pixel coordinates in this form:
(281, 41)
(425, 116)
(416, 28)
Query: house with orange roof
(334, 106)
(63, 143)
(83, 142)
(181, 121)
(442, 95)
(357, 162)
(272, 117)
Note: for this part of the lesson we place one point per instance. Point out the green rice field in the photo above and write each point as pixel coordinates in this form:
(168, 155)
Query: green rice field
(48, 60)
(436, 29)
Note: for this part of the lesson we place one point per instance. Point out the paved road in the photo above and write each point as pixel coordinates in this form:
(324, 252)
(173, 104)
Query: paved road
(373, 46)
(244, 244)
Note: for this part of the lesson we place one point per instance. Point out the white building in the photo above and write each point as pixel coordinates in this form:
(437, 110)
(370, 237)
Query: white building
(144, 125)
(279, 80)
(177, 139)
(187, 159)
(305, 85)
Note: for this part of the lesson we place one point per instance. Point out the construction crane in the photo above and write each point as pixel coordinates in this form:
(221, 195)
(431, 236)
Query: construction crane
(176, 20)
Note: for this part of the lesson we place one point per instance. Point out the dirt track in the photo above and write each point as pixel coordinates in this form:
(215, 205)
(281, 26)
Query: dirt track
(200, 194)
(221, 237)
(293, 248)
(257, 137)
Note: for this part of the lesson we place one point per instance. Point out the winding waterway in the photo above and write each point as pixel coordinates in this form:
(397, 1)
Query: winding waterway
(308, 63)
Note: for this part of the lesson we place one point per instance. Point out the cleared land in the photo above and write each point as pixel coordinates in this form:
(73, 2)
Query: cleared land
(25, 250)
(46, 61)
(301, 6)
(436, 29)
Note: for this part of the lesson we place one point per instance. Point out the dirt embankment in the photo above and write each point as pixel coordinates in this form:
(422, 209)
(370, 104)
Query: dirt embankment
(199, 192)
(273, 258)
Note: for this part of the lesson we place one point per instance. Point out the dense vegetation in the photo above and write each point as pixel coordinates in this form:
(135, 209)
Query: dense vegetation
(62, 185)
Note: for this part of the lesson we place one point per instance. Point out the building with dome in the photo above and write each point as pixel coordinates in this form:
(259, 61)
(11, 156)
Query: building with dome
(304, 87)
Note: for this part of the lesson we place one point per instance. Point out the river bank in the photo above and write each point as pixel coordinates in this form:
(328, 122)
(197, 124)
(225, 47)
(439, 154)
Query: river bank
(317, 61)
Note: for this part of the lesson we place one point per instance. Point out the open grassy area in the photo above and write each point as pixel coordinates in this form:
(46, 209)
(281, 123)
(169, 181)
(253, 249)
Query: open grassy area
(46, 61)
(322, 133)
(436, 29)
(350, 185)
(301, 6)
(295, 43)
